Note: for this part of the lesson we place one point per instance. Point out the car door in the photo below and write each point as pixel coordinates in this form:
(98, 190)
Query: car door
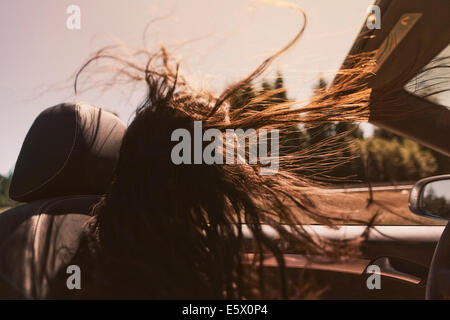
(395, 250)
(400, 254)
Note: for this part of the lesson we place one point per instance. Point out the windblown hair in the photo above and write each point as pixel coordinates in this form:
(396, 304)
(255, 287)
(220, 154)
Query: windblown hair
(176, 231)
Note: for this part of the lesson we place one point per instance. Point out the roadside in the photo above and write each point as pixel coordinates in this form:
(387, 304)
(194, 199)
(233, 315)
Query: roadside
(387, 207)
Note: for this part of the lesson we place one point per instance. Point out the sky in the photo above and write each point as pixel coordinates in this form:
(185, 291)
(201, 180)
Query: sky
(218, 42)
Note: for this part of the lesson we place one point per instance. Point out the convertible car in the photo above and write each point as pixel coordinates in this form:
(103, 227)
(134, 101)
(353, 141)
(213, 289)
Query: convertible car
(68, 157)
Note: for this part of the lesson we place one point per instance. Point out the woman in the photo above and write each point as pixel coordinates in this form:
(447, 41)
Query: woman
(168, 230)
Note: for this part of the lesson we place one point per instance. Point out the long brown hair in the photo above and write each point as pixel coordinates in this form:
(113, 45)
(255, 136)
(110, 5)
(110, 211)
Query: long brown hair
(175, 231)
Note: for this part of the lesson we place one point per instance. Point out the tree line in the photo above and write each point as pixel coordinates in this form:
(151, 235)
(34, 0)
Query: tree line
(5, 201)
(383, 157)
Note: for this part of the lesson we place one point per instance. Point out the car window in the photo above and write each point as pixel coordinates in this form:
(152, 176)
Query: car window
(433, 83)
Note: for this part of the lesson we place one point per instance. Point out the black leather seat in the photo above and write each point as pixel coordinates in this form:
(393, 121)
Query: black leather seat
(65, 165)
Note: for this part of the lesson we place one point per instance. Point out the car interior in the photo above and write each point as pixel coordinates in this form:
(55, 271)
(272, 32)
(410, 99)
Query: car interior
(81, 146)
(69, 154)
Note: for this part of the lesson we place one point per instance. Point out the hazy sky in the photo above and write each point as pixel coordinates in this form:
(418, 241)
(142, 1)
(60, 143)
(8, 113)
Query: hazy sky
(39, 54)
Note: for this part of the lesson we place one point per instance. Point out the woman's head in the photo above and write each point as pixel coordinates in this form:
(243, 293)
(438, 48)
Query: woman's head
(167, 230)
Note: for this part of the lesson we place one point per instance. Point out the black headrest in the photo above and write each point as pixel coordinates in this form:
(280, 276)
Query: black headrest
(71, 149)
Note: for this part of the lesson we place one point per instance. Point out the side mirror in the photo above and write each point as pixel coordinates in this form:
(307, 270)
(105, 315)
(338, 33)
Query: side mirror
(430, 197)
